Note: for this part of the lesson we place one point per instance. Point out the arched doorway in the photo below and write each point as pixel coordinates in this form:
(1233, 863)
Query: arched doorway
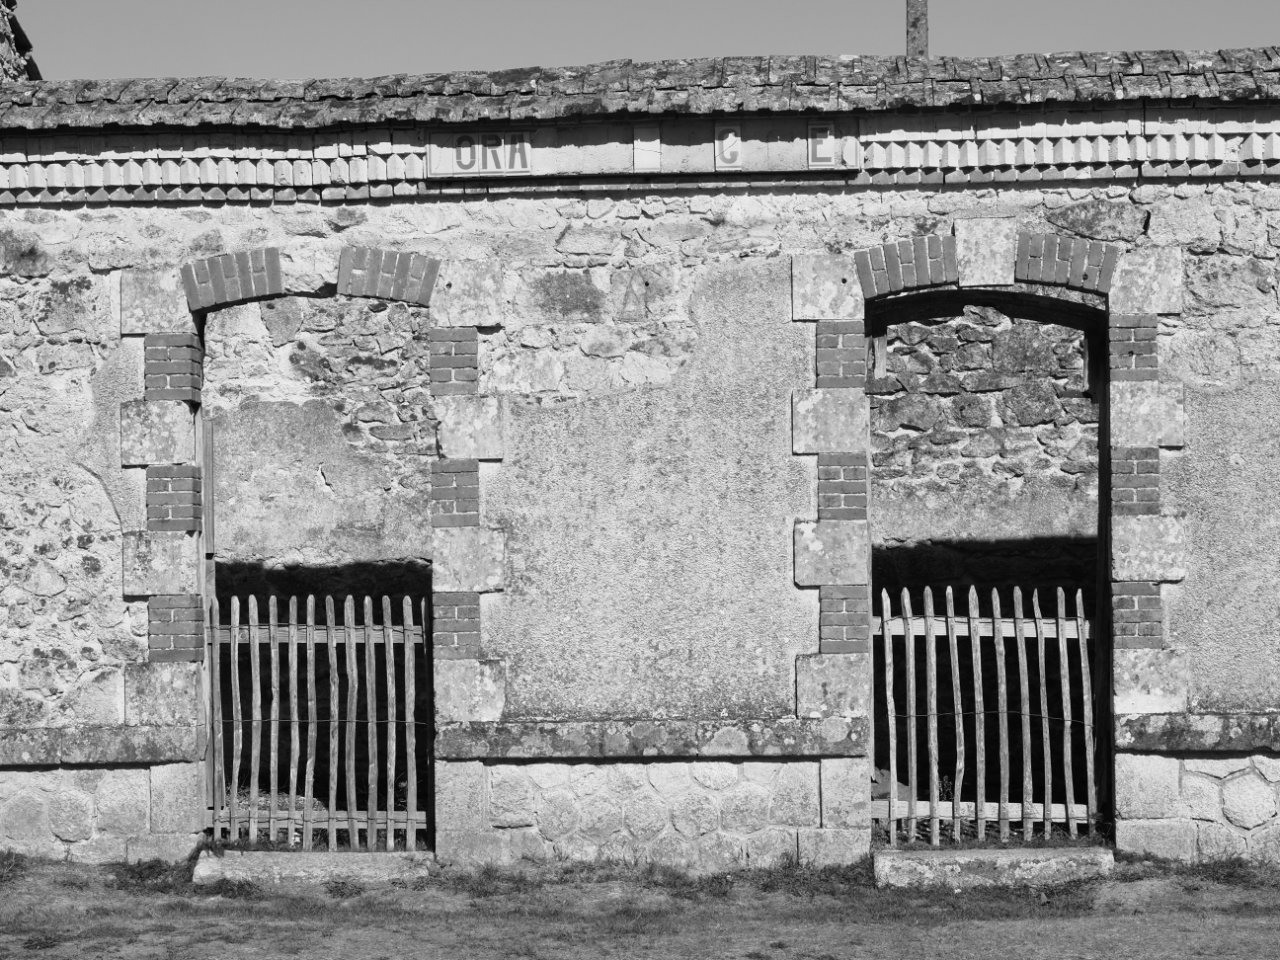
(988, 492)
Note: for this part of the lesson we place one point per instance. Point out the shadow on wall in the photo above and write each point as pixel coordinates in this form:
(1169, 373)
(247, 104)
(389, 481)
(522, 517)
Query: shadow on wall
(1043, 563)
(395, 579)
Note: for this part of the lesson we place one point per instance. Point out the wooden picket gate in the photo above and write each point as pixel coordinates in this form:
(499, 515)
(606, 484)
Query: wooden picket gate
(365, 728)
(1037, 785)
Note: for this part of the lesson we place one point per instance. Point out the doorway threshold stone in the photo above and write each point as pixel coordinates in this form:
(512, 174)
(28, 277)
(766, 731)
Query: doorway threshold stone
(966, 869)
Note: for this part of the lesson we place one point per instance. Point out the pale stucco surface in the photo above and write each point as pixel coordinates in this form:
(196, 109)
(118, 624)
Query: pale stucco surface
(649, 531)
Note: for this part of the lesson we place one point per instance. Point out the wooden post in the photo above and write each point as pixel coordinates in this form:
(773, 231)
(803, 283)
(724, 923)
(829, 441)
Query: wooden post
(891, 712)
(917, 28)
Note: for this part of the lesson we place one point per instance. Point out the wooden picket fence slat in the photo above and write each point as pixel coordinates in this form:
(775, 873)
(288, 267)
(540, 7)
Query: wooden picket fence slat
(269, 791)
(1012, 658)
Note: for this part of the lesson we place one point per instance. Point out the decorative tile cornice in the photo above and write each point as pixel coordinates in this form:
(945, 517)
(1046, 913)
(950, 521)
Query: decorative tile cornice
(1036, 143)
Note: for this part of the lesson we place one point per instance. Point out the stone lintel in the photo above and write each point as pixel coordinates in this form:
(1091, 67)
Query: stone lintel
(467, 560)
(986, 251)
(825, 287)
(156, 432)
(1150, 681)
(470, 690)
(831, 552)
(57, 746)
(1147, 549)
(1148, 280)
(159, 563)
(471, 428)
(833, 685)
(595, 739)
(1197, 733)
(829, 421)
(153, 301)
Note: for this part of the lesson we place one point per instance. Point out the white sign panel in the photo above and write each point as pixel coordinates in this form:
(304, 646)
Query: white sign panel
(487, 154)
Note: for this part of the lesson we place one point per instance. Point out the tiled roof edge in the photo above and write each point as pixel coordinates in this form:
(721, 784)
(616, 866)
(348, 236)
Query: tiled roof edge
(626, 88)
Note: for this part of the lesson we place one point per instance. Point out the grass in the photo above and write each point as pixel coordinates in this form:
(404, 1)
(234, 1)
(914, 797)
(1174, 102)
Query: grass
(581, 910)
(12, 866)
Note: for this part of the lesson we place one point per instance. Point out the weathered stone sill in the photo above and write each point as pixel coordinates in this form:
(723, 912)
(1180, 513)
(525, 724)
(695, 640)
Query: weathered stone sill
(60, 746)
(1196, 732)
(784, 737)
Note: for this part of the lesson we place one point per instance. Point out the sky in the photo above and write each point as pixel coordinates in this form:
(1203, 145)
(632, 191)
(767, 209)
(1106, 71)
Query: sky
(342, 38)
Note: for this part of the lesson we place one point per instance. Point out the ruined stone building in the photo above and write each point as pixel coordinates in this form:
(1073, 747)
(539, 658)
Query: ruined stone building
(642, 391)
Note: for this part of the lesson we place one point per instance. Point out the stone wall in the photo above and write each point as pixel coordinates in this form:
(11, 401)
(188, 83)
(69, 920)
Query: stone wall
(702, 816)
(984, 453)
(1205, 808)
(103, 813)
(643, 343)
(323, 431)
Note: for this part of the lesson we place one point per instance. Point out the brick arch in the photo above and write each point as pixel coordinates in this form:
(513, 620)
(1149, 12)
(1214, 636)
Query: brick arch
(985, 256)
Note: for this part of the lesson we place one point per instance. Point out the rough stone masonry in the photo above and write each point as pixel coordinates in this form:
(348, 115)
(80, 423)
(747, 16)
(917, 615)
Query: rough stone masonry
(593, 344)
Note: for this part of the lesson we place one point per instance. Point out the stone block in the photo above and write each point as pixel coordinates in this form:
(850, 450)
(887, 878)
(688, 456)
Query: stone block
(825, 288)
(168, 847)
(177, 799)
(470, 294)
(795, 801)
(154, 301)
(1139, 413)
(1173, 435)
(158, 564)
(471, 848)
(470, 690)
(1202, 796)
(471, 428)
(308, 266)
(1172, 839)
(1149, 280)
(1249, 801)
(831, 553)
(156, 431)
(161, 694)
(123, 798)
(846, 792)
(71, 815)
(1264, 844)
(1217, 841)
(264, 866)
(1217, 768)
(104, 848)
(462, 803)
(986, 251)
(511, 796)
(969, 869)
(1150, 681)
(467, 560)
(829, 421)
(833, 848)
(833, 685)
(1147, 787)
(1147, 549)
(1269, 767)
(97, 699)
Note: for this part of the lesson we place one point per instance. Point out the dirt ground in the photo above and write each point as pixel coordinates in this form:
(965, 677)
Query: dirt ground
(1147, 910)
